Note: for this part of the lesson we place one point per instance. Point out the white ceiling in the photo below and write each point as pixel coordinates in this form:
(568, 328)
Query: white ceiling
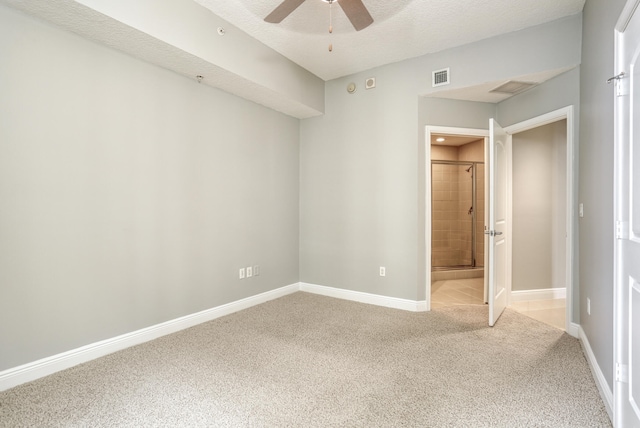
(402, 28)
(180, 35)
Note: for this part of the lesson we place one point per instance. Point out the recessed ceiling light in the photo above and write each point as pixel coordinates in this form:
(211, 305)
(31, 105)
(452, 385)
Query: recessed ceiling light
(440, 139)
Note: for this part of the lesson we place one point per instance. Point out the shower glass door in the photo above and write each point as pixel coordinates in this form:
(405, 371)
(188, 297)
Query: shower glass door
(454, 209)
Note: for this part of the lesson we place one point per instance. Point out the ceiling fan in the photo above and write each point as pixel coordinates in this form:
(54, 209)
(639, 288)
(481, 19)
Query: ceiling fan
(354, 9)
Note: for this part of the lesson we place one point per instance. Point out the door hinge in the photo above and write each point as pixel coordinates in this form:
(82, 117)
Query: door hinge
(618, 82)
(622, 373)
(622, 230)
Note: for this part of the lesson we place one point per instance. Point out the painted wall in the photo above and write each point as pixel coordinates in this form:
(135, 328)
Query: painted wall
(539, 208)
(362, 202)
(130, 195)
(596, 179)
(472, 151)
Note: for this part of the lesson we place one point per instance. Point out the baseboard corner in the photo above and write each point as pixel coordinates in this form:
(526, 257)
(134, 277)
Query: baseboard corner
(574, 330)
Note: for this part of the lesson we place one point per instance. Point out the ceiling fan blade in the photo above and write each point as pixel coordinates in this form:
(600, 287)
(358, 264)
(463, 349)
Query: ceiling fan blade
(357, 13)
(283, 10)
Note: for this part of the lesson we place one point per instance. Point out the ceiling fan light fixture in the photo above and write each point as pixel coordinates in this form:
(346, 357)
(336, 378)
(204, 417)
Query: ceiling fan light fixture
(355, 10)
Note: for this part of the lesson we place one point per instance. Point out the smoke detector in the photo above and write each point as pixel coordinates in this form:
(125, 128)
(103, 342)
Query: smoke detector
(370, 83)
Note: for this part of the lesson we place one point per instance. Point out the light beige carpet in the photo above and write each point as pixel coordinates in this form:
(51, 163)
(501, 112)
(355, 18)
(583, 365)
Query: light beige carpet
(313, 361)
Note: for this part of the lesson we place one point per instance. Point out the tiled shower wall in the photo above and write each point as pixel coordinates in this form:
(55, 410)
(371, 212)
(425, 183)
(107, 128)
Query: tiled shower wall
(446, 244)
(451, 200)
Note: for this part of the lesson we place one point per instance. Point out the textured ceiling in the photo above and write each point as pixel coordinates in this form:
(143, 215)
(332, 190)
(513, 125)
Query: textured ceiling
(177, 35)
(402, 28)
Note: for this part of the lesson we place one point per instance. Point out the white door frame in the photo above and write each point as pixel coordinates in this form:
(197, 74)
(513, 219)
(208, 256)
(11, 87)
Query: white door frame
(565, 113)
(472, 132)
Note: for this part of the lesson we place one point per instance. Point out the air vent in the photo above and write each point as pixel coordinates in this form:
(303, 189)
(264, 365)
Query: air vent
(513, 87)
(440, 77)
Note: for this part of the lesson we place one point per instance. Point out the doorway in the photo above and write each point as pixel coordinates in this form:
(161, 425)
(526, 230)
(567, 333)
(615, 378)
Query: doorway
(458, 219)
(562, 196)
(538, 226)
(565, 115)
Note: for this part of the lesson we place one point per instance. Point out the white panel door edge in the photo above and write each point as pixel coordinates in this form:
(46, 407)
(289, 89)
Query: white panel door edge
(626, 391)
(498, 215)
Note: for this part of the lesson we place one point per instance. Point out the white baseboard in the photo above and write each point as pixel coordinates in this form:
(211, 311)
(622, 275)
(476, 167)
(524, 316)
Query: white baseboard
(372, 299)
(542, 294)
(605, 392)
(574, 330)
(46, 366)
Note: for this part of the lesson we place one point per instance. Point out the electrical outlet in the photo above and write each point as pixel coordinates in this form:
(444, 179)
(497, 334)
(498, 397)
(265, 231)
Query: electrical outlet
(588, 306)
(249, 272)
(383, 271)
(581, 209)
(256, 270)
(241, 273)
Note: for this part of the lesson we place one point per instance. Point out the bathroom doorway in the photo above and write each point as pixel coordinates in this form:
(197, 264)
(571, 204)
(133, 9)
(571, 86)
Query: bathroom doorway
(458, 182)
(561, 231)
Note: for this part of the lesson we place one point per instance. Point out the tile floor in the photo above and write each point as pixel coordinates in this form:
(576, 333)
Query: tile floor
(470, 292)
(550, 311)
(457, 292)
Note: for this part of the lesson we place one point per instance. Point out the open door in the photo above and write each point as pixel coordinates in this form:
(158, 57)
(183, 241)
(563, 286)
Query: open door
(627, 216)
(497, 221)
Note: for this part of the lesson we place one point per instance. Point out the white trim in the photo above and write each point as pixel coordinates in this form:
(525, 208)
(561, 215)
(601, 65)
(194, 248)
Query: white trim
(540, 294)
(542, 120)
(509, 219)
(46, 366)
(480, 133)
(574, 330)
(601, 382)
(626, 15)
(372, 299)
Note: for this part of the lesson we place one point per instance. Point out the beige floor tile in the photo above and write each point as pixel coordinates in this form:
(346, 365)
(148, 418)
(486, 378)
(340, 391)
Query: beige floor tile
(471, 292)
(550, 311)
(457, 292)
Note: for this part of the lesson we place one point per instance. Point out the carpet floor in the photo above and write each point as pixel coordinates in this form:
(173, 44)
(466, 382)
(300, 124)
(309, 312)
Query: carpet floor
(312, 361)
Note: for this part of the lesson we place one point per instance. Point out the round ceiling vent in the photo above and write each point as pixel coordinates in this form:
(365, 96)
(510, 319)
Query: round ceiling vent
(351, 88)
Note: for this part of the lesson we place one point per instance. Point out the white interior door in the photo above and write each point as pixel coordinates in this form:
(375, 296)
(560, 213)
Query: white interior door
(627, 216)
(497, 221)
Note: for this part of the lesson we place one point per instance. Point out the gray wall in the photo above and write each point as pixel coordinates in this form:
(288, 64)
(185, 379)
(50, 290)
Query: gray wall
(130, 195)
(363, 162)
(596, 179)
(539, 207)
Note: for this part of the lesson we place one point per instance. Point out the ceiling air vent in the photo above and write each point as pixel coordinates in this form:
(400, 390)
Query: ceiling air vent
(513, 87)
(440, 77)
